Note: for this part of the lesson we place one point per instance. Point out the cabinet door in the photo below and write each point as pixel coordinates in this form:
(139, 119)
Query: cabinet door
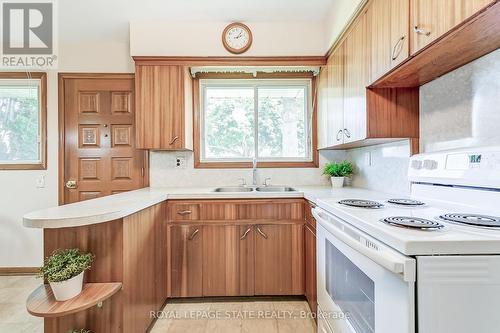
(161, 102)
(322, 106)
(356, 80)
(310, 268)
(430, 18)
(279, 259)
(227, 260)
(387, 22)
(336, 96)
(186, 260)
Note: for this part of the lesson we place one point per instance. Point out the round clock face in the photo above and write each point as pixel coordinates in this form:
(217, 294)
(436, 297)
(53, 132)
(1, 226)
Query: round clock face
(237, 38)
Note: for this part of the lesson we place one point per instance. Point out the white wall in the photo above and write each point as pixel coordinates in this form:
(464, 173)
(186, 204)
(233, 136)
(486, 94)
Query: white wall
(204, 38)
(20, 246)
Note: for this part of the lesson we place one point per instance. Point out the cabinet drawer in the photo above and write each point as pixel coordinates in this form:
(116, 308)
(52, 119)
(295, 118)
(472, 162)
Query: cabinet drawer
(184, 211)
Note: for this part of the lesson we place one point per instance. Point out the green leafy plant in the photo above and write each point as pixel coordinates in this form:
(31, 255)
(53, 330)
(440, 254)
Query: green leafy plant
(82, 330)
(62, 265)
(341, 169)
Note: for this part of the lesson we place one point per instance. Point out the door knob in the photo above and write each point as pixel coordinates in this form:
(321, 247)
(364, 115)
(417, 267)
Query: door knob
(71, 184)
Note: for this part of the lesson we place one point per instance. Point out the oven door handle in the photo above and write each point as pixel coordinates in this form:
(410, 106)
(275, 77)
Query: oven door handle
(387, 258)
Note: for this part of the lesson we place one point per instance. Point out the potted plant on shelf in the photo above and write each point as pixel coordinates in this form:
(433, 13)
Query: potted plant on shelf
(338, 171)
(64, 271)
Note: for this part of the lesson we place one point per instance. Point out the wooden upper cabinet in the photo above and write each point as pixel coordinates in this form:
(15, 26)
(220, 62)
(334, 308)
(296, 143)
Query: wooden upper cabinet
(164, 107)
(279, 259)
(336, 95)
(430, 18)
(388, 40)
(322, 91)
(355, 81)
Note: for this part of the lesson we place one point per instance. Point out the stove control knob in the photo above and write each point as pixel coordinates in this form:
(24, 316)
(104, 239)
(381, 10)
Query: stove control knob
(430, 164)
(416, 164)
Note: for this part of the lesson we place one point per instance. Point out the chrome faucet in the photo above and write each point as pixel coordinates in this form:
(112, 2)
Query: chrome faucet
(254, 172)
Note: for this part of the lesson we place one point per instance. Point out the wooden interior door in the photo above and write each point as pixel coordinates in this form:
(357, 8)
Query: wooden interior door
(227, 260)
(279, 259)
(100, 157)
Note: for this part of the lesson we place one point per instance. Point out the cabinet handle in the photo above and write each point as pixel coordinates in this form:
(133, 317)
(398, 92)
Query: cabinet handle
(193, 235)
(245, 233)
(261, 232)
(339, 135)
(184, 212)
(347, 133)
(421, 31)
(398, 47)
(173, 140)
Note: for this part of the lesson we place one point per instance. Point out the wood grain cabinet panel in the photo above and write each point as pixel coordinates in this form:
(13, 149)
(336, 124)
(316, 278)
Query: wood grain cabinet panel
(388, 40)
(227, 260)
(279, 259)
(186, 253)
(163, 107)
(430, 19)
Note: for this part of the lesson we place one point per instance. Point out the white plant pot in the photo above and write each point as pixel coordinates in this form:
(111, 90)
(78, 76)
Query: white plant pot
(65, 290)
(337, 182)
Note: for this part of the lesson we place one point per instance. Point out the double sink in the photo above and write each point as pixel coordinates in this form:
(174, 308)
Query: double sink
(258, 189)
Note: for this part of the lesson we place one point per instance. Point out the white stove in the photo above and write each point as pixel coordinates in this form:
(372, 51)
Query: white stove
(387, 263)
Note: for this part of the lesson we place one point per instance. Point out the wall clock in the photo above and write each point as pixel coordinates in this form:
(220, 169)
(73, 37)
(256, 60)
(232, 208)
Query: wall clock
(237, 38)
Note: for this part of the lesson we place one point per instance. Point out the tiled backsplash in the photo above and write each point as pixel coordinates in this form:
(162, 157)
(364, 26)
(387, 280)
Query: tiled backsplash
(462, 108)
(163, 172)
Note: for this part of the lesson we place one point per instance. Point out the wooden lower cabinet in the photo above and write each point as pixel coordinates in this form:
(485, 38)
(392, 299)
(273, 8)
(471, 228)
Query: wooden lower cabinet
(310, 268)
(279, 259)
(186, 253)
(228, 260)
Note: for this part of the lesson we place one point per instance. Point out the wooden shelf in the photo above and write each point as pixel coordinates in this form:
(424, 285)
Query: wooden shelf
(41, 302)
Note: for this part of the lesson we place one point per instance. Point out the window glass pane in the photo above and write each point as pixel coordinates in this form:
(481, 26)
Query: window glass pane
(229, 122)
(282, 122)
(19, 124)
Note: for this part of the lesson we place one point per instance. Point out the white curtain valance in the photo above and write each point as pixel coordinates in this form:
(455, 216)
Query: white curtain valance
(254, 70)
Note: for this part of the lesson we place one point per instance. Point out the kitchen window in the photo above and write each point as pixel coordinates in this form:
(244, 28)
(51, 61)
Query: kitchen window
(270, 120)
(22, 121)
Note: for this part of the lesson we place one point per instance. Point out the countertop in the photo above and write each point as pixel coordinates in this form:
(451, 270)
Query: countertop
(123, 204)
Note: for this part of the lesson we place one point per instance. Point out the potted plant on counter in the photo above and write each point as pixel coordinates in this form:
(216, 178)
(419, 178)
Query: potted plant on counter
(82, 330)
(338, 171)
(64, 271)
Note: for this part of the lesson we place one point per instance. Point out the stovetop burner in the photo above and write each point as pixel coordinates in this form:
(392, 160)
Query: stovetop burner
(361, 203)
(473, 219)
(406, 202)
(412, 222)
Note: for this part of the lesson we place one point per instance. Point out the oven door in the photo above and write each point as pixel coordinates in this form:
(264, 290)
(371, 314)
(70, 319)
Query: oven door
(364, 286)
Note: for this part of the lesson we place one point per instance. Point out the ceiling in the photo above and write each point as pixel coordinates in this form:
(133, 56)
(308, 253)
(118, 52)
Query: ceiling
(109, 19)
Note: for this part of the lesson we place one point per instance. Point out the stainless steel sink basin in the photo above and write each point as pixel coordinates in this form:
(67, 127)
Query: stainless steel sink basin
(233, 189)
(275, 189)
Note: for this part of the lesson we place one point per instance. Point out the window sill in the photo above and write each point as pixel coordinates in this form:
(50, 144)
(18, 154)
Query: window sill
(248, 165)
(31, 166)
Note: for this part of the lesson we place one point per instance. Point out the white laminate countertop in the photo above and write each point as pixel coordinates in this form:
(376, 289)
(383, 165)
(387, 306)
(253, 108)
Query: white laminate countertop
(123, 204)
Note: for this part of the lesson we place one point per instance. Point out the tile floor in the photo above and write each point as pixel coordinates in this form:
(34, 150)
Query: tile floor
(211, 316)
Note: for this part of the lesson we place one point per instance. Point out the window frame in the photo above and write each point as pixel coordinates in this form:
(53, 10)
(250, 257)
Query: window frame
(42, 163)
(280, 79)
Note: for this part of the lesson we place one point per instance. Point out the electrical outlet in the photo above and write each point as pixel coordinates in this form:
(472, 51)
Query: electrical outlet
(180, 162)
(40, 181)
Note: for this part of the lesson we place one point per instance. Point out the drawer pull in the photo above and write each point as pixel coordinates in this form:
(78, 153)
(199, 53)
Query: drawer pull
(261, 232)
(175, 138)
(184, 212)
(245, 234)
(421, 31)
(193, 235)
